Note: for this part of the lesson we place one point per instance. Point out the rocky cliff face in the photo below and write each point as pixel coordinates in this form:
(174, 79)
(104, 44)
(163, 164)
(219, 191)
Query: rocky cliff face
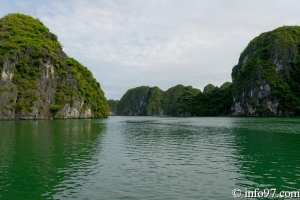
(38, 80)
(183, 101)
(140, 101)
(266, 78)
(151, 101)
(113, 107)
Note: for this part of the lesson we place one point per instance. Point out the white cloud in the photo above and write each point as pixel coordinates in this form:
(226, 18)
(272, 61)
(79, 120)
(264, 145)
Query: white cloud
(158, 42)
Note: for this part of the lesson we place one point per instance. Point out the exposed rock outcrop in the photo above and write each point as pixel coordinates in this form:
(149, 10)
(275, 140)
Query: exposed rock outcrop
(176, 101)
(38, 80)
(113, 107)
(266, 79)
(151, 101)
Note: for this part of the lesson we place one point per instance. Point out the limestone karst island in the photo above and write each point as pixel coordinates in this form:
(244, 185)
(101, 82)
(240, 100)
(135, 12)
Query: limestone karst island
(265, 82)
(39, 81)
(149, 100)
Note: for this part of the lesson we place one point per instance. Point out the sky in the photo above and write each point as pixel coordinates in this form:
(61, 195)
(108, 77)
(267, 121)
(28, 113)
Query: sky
(130, 43)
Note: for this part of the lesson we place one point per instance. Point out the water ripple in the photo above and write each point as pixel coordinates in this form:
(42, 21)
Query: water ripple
(148, 157)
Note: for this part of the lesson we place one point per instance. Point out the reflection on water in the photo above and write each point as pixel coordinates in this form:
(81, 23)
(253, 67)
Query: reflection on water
(38, 156)
(181, 158)
(147, 157)
(267, 154)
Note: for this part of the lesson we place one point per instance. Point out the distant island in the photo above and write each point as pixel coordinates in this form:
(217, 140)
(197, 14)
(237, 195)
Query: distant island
(176, 101)
(39, 81)
(265, 82)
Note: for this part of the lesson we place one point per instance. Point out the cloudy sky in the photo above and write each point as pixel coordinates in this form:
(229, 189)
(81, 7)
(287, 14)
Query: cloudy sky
(129, 43)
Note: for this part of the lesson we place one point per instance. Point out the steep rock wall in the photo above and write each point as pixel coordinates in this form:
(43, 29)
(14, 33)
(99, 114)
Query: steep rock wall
(265, 80)
(151, 101)
(38, 80)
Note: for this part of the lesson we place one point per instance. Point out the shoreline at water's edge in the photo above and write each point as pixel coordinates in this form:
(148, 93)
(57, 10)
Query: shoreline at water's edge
(46, 118)
(227, 116)
(106, 117)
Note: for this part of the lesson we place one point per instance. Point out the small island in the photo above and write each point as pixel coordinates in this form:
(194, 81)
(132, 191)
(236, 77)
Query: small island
(265, 82)
(38, 80)
(179, 114)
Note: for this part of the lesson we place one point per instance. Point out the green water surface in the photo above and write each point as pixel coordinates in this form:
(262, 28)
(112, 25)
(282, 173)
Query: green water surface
(147, 157)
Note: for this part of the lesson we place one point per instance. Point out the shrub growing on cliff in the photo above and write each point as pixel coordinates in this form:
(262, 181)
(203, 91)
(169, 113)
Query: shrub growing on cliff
(30, 47)
(271, 58)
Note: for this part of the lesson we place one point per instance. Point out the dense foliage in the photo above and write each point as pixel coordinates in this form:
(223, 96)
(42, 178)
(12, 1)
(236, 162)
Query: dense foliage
(26, 42)
(113, 106)
(133, 102)
(225, 85)
(88, 89)
(171, 95)
(272, 57)
(177, 101)
(28, 46)
(184, 104)
(146, 100)
(155, 99)
(209, 88)
(214, 103)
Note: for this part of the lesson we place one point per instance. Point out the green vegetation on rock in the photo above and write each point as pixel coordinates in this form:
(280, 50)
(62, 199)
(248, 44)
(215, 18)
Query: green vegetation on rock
(134, 101)
(39, 81)
(225, 85)
(42, 81)
(209, 88)
(151, 101)
(266, 81)
(173, 93)
(184, 104)
(176, 101)
(214, 103)
(113, 106)
(155, 98)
